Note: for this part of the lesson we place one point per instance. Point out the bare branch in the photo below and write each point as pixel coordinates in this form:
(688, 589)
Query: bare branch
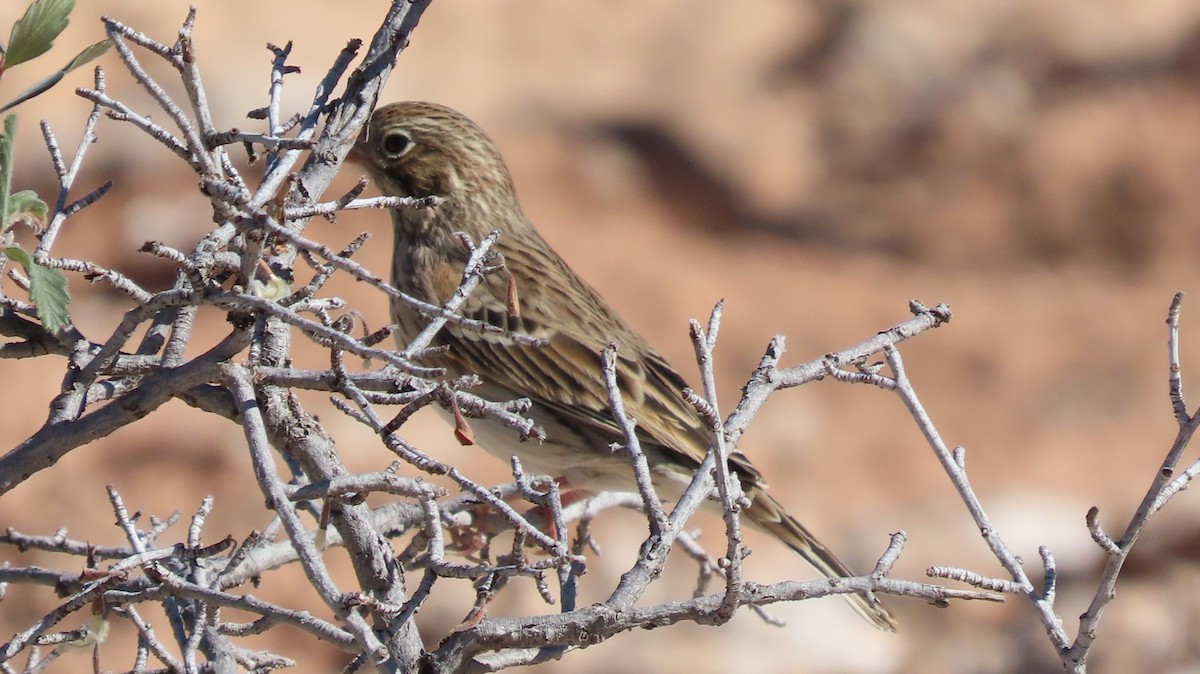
(641, 469)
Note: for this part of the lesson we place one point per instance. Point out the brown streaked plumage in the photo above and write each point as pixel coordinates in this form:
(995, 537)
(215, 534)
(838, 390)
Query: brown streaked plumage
(420, 149)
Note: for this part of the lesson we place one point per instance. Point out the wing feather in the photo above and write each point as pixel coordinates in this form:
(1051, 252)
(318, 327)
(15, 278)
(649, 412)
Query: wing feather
(566, 372)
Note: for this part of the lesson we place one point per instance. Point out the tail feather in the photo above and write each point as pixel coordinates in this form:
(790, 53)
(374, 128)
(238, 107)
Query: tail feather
(769, 515)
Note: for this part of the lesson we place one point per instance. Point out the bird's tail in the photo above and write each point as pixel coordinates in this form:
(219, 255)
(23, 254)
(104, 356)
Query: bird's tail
(768, 514)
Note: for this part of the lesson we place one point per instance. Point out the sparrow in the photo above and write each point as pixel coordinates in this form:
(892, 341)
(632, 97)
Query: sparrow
(417, 149)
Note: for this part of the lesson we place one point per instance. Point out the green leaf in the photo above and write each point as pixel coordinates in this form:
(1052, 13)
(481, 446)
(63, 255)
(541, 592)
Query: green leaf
(44, 84)
(27, 208)
(47, 290)
(33, 34)
(6, 164)
(40, 87)
(19, 256)
(89, 53)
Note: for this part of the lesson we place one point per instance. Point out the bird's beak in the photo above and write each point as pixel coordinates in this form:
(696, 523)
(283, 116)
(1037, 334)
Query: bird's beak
(357, 155)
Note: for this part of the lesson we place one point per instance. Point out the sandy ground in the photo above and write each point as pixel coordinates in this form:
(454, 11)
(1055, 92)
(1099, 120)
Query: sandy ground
(818, 165)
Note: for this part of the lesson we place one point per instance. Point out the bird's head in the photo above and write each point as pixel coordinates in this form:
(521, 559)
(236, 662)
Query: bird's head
(419, 149)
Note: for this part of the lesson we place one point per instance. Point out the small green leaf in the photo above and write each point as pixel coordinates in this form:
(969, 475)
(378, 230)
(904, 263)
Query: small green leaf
(47, 290)
(25, 207)
(19, 256)
(40, 87)
(33, 34)
(89, 53)
(6, 163)
(43, 85)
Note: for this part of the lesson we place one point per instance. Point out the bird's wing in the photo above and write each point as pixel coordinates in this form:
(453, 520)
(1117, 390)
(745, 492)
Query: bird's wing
(565, 374)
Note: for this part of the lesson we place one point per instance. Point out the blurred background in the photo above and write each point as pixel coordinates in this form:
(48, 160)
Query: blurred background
(817, 164)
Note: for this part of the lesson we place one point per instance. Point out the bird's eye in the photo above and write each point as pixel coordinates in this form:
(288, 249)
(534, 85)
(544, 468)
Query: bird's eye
(395, 143)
